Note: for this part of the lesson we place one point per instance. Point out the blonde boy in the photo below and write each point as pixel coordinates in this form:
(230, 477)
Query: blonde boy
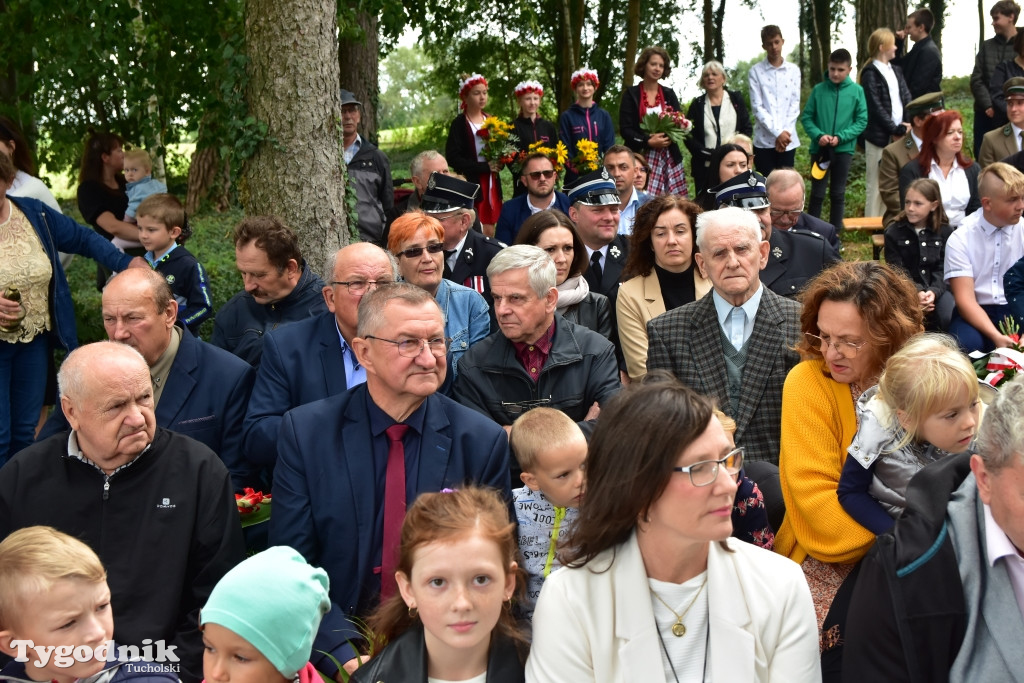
(163, 230)
(137, 173)
(551, 451)
(55, 613)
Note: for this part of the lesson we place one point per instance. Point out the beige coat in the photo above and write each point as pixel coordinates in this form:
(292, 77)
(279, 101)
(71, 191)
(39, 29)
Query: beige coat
(638, 302)
(997, 145)
(592, 626)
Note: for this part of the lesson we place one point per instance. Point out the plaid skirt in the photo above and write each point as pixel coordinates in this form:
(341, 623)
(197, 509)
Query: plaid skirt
(666, 177)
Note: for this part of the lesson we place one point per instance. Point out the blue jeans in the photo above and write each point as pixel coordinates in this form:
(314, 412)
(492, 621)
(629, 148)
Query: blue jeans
(969, 338)
(23, 383)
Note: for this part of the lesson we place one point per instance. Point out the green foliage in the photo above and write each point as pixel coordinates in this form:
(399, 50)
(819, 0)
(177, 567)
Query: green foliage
(408, 98)
(83, 63)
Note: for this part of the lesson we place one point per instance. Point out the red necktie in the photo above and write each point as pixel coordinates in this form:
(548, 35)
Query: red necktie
(394, 509)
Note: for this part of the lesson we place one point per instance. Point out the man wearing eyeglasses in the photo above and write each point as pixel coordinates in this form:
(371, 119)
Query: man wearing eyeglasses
(350, 464)
(539, 178)
(794, 257)
(785, 190)
(313, 358)
(537, 358)
(736, 344)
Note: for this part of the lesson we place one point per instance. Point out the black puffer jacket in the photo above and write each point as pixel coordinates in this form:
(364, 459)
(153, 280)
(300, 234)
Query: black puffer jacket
(876, 91)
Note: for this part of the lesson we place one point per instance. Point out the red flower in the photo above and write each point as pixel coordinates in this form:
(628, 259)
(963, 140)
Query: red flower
(484, 133)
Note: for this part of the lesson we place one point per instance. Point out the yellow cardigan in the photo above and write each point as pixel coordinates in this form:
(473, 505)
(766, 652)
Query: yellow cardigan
(638, 301)
(818, 424)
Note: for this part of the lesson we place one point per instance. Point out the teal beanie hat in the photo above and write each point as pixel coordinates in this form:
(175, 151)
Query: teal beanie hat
(274, 600)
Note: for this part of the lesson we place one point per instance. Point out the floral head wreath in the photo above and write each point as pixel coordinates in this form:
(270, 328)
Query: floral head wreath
(584, 73)
(528, 87)
(467, 84)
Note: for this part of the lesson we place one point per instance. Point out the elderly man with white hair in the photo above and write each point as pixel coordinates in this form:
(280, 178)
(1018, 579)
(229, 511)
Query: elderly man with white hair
(940, 597)
(786, 194)
(735, 345)
(537, 358)
(156, 506)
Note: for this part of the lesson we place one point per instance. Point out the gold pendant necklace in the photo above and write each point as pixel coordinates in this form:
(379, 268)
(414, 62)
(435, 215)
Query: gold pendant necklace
(678, 629)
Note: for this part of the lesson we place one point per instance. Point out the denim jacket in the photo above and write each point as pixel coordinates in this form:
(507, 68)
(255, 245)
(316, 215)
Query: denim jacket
(59, 233)
(466, 320)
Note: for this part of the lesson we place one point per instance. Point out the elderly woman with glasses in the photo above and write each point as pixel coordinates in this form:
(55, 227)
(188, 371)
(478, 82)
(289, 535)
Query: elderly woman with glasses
(651, 552)
(855, 315)
(417, 241)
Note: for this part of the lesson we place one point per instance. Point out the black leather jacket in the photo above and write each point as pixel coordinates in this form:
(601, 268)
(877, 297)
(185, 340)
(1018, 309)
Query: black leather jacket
(876, 91)
(593, 313)
(404, 660)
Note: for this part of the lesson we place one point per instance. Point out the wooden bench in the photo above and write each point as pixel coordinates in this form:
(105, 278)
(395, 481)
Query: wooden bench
(869, 224)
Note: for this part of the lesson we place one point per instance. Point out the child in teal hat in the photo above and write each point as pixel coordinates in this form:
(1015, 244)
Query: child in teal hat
(259, 623)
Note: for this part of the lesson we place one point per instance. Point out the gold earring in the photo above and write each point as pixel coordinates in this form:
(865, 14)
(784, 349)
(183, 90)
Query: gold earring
(413, 612)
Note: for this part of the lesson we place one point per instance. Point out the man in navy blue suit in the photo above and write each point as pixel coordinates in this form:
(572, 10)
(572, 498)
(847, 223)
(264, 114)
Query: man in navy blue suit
(785, 190)
(200, 390)
(313, 358)
(539, 178)
(333, 482)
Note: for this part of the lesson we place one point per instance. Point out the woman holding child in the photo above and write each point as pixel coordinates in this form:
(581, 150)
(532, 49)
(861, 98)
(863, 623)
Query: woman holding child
(855, 315)
(651, 552)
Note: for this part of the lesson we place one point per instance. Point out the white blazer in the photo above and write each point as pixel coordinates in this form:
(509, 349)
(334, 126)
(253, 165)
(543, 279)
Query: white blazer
(592, 626)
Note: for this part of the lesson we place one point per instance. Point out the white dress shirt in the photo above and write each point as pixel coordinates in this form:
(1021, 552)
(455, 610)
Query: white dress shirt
(980, 250)
(775, 99)
(955, 191)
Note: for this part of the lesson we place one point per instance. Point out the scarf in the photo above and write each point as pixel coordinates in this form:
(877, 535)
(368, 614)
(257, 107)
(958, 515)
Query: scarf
(571, 292)
(726, 123)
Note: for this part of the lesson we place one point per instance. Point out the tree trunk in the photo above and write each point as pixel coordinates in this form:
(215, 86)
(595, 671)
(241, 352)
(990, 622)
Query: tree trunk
(209, 179)
(293, 87)
(874, 14)
(981, 22)
(154, 138)
(719, 44)
(819, 32)
(938, 8)
(358, 58)
(709, 30)
(632, 38)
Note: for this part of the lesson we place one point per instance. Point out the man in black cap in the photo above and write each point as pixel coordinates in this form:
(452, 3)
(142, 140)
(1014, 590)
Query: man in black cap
(1003, 142)
(594, 208)
(370, 172)
(467, 252)
(898, 154)
(794, 256)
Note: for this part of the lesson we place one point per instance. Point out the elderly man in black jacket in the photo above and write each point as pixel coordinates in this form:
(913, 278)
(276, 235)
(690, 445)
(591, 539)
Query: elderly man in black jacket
(537, 358)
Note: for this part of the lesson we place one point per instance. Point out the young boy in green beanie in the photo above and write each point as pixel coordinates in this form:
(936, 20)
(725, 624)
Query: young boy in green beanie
(259, 623)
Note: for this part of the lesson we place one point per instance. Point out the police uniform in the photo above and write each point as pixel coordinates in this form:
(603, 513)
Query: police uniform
(794, 255)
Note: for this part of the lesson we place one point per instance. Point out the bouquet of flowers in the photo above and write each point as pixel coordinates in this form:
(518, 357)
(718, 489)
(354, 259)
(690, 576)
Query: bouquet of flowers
(670, 122)
(499, 140)
(558, 155)
(1002, 364)
(586, 159)
(253, 506)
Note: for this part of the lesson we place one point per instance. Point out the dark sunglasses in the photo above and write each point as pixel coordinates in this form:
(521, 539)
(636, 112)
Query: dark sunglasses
(537, 175)
(414, 252)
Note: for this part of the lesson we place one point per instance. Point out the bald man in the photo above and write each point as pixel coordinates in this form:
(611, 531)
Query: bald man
(157, 507)
(199, 390)
(313, 359)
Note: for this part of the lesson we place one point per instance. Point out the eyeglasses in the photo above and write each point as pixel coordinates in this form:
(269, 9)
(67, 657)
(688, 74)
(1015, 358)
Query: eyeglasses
(779, 213)
(410, 348)
(520, 407)
(442, 219)
(359, 287)
(705, 472)
(537, 175)
(845, 348)
(414, 252)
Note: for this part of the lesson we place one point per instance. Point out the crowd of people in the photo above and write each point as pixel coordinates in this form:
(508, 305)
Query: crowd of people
(600, 432)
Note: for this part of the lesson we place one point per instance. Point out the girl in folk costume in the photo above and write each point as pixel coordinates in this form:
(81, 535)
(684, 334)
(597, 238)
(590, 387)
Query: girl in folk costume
(464, 150)
(529, 126)
(584, 120)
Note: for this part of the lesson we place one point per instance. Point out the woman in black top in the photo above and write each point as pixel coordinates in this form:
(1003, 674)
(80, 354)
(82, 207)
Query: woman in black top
(717, 115)
(529, 126)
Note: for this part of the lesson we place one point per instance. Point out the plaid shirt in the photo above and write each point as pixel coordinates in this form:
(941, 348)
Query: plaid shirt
(533, 356)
